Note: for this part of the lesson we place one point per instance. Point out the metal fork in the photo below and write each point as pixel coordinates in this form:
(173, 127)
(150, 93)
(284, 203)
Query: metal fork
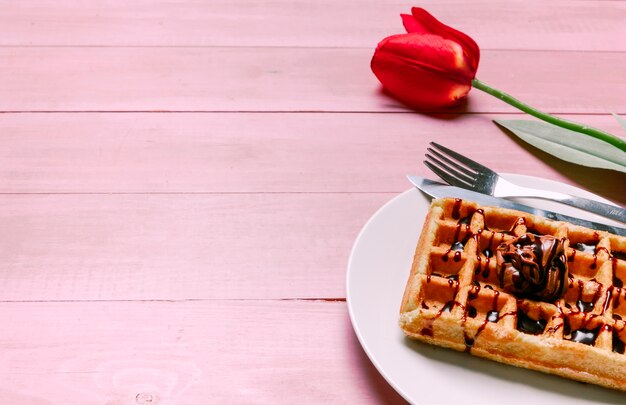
(460, 171)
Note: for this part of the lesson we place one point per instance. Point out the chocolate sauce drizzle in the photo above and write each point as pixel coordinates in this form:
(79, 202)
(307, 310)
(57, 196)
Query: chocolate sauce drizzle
(533, 266)
(584, 306)
(595, 256)
(618, 255)
(521, 221)
(587, 306)
(456, 208)
(491, 316)
(586, 332)
(453, 282)
(585, 336)
(458, 244)
(585, 247)
(528, 325)
(618, 344)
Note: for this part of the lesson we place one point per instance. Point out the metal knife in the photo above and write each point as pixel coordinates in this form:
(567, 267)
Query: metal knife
(439, 190)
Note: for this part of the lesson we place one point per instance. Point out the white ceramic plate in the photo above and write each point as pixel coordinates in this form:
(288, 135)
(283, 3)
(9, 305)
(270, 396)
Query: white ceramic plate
(423, 374)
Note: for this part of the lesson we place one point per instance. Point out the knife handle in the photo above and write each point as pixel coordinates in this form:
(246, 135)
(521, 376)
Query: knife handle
(596, 207)
(606, 210)
(505, 188)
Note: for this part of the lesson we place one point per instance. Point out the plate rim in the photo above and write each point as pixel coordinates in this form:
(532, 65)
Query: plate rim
(360, 235)
(355, 327)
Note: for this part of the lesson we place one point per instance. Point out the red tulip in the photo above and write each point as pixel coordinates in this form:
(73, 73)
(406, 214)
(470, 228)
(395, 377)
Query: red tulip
(431, 66)
(434, 66)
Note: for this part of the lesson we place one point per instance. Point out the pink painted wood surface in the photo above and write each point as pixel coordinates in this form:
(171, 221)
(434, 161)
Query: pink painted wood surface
(147, 246)
(199, 256)
(241, 153)
(554, 25)
(184, 352)
(283, 79)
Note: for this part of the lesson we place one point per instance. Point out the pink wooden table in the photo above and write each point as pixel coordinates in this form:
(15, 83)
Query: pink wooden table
(181, 182)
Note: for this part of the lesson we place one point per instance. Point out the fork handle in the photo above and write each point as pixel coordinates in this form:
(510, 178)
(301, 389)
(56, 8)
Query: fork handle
(605, 210)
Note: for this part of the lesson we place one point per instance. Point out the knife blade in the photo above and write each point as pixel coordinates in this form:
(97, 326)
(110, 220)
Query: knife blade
(439, 190)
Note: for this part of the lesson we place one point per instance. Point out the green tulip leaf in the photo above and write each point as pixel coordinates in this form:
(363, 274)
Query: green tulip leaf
(621, 121)
(568, 145)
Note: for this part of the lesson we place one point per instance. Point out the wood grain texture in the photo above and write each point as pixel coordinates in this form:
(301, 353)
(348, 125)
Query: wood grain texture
(176, 227)
(284, 79)
(555, 25)
(175, 247)
(118, 353)
(242, 153)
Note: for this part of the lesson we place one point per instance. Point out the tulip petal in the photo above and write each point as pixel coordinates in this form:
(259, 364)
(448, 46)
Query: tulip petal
(424, 22)
(431, 66)
(422, 70)
(424, 91)
(430, 52)
(411, 24)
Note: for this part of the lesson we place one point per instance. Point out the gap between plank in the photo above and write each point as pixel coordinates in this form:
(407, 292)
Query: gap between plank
(294, 112)
(292, 47)
(194, 192)
(294, 299)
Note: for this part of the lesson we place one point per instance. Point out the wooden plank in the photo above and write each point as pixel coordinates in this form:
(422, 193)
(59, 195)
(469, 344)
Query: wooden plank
(581, 25)
(283, 79)
(168, 247)
(184, 352)
(235, 153)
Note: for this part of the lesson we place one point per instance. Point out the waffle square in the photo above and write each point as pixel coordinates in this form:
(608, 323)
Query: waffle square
(453, 297)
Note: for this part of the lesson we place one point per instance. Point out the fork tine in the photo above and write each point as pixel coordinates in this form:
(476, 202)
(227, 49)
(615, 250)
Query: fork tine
(466, 161)
(449, 176)
(443, 175)
(451, 162)
(451, 170)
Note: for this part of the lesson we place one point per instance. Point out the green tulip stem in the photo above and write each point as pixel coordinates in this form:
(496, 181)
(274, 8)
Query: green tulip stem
(573, 126)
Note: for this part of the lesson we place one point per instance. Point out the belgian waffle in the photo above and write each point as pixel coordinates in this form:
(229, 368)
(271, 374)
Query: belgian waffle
(454, 296)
